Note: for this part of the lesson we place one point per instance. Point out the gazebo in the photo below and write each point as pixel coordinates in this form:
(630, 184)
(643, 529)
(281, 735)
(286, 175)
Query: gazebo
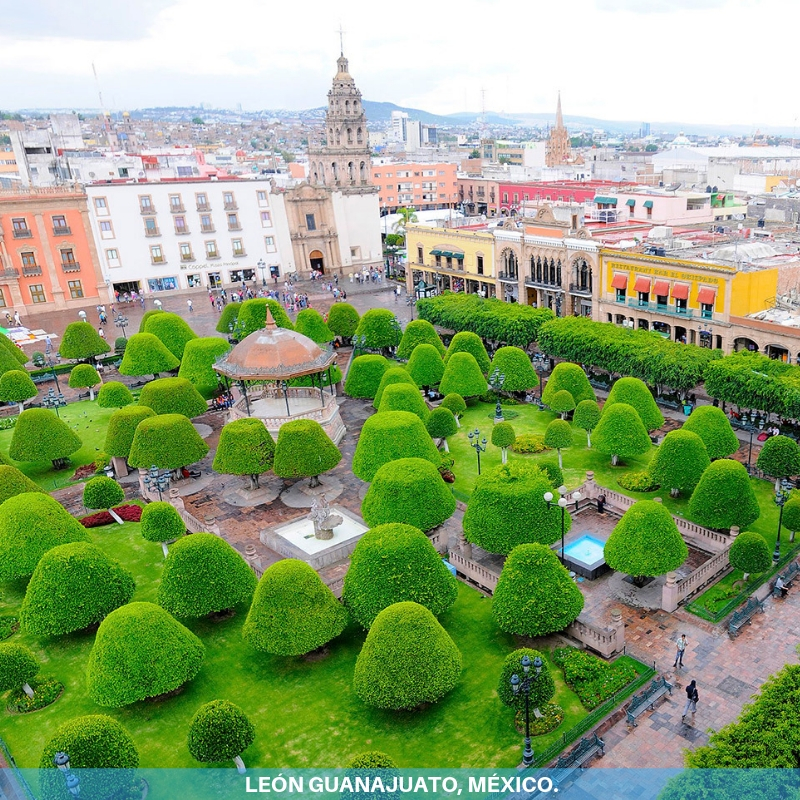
(264, 362)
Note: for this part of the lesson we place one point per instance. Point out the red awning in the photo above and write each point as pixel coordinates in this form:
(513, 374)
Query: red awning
(642, 285)
(707, 296)
(620, 281)
(661, 289)
(680, 291)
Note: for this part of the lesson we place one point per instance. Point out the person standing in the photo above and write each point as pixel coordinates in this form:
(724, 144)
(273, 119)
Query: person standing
(191, 305)
(680, 646)
(692, 697)
(17, 320)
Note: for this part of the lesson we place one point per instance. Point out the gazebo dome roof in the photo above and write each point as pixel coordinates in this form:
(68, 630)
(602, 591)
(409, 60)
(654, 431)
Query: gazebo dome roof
(274, 353)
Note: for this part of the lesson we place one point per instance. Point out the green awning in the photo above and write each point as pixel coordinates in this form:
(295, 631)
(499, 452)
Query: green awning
(648, 203)
(605, 201)
(630, 202)
(438, 253)
(451, 254)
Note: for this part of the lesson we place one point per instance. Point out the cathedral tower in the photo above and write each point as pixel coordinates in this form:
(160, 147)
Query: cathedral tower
(558, 151)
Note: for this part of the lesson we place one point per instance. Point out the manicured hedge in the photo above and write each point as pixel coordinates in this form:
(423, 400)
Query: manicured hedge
(417, 332)
(82, 341)
(310, 323)
(570, 378)
(147, 355)
(114, 395)
(253, 316)
(724, 497)
(147, 316)
(196, 365)
(636, 394)
(558, 435)
(18, 666)
(591, 678)
(245, 448)
(750, 552)
(441, 423)
(16, 386)
(467, 342)
(380, 328)
(586, 416)
(161, 522)
(121, 428)
(371, 759)
(304, 450)
(543, 687)
(714, 428)
(455, 402)
(364, 376)
(404, 397)
(620, 433)
(425, 365)
(40, 435)
(83, 376)
(10, 347)
(562, 402)
(219, 731)
(230, 313)
(516, 366)
(173, 396)
(173, 331)
(679, 462)
(390, 377)
(463, 376)
(102, 492)
(343, 320)
(14, 482)
(7, 362)
(779, 458)
(168, 441)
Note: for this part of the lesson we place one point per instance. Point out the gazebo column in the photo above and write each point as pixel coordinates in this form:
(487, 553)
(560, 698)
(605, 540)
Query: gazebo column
(321, 388)
(330, 381)
(285, 387)
(243, 387)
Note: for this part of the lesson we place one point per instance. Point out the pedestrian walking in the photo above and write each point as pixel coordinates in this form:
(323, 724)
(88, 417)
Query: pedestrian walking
(101, 333)
(692, 697)
(680, 646)
(17, 320)
(191, 306)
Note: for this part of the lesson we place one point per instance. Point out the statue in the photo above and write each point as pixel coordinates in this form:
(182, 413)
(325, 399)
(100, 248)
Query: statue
(324, 521)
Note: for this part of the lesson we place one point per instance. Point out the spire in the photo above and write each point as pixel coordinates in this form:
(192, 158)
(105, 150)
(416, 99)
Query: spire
(269, 322)
(559, 117)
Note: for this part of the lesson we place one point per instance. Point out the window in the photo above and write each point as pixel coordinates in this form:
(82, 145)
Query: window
(233, 222)
(146, 204)
(156, 254)
(680, 305)
(2, 299)
(175, 203)
(106, 229)
(242, 275)
(185, 172)
(162, 284)
(28, 259)
(20, 228)
(311, 223)
(237, 246)
(186, 251)
(480, 265)
(37, 293)
(180, 225)
(355, 253)
(269, 244)
(420, 255)
(112, 258)
(68, 256)
(262, 198)
(706, 310)
(75, 289)
(662, 299)
(202, 201)
(60, 227)
(206, 223)
(211, 250)
(100, 207)
(194, 281)
(150, 227)
(229, 201)
(620, 296)
(266, 219)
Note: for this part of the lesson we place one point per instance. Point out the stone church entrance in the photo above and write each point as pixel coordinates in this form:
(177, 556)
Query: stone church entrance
(317, 261)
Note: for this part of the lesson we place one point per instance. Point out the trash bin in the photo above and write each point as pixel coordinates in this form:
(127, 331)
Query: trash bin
(601, 504)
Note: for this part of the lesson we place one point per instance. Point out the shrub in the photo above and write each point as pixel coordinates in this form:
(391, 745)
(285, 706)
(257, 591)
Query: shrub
(392, 376)
(102, 492)
(558, 435)
(529, 443)
(425, 365)
(407, 659)
(114, 395)
(203, 575)
(646, 541)
(73, 586)
(543, 688)
(196, 365)
(310, 323)
(750, 553)
(304, 450)
(121, 428)
(168, 441)
(441, 424)
(591, 678)
(16, 386)
(245, 448)
(535, 594)
(408, 490)
(140, 651)
(393, 563)
(15, 350)
(343, 320)
(84, 376)
(467, 342)
(293, 611)
(724, 497)
(120, 343)
(714, 428)
(463, 376)
(380, 329)
(364, 376)
(516, 366)
(552, 471)
(253, 316)
(173, 331)
(641, 481)
(620, 433)
(161, 522)
(508, 508)
(455, 402)
(635, 393)
(147, 316)
(18, 667)
(127, 513)
(229, 316)
(567, 377)
(40, 435)
(82, 341)
(220, 731)
(503, 435)
(791, 511)
(14, 482)
(586, 416)
(418, 332)
(779, 458)
(7, 362)
(147, 355)
(562, 403)
(32, 523)
(173, 396)
(388, 436)
(371, 759)
(404, 397)
(679, 462)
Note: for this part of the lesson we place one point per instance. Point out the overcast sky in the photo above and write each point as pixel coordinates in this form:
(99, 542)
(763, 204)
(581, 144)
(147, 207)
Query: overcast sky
(702, 61)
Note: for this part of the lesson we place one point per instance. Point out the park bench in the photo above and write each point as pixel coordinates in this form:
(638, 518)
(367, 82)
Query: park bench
(42, 378)
(791, 573)
(673, 404)
(646, 700)
(740, 618)
(577, 759)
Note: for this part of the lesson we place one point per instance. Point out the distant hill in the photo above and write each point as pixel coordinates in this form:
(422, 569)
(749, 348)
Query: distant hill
(382, 112)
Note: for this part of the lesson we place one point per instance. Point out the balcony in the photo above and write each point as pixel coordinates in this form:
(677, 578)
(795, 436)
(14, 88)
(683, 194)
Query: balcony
(507, 277)
(23, 233)
(177, 209)
(187, 257)
(207, 228)
(203, 207)
(231, 206)
(158, 260)
(148, 210)
(239, 253)
(9, 272)
(71, 266)
(184, 231)
(215, 254)
(31, 271)
(152, 232)
(63, 230)
(536, 283)
(582, 289)
(660, 308)
(236, 227)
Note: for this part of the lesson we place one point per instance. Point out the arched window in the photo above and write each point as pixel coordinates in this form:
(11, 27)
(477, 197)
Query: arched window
(539, 269)
(359, 137)
(346, 106)
(338, 136)
(335, 172)
(558, 272)
(351, 171)
(349, 136)
(510, 263)
(363, 171)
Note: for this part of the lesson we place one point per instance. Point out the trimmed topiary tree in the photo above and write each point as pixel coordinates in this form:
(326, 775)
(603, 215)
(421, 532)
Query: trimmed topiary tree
(7, 362)
(535, 594)
(81, 341)
(455, 402)
(220, 731)
(380, 329)
(371, 759)
(513, 362)
(645, 542)
(388, 436)
(750, 553)
(393, 563)
(73, 586)
(552, 471)
(714, 428)
(791, 513)
(18, 667)
(425, 365)
(105, 493)
(621, 434)
(168, 441)
(16, 386)
(147, 316)
(196, 367)
(304, 450)
(417, 332)
(162, 523)
(140, 651)
(122, 426)
(407, 659)
(503, 436)
(310, 323)
(147, 355)
(408, 490)
(14, 482)
(13, 349)
(779, 458)
(567, 377)
(724, 497)
(404, 397)
(173, 331)
(468, 342)
(173, 396)
(84, 376)
(679, 462)
(293, 612)
(343, 320)
(253, 316)
(635, 393)
(228, 317)
(204, 575)
(562, 403)
(392, 376)
(543, 687)
(586, 416)
(508, 508)
(558, 435)
(245, 448)
(463, 376)
(364, 376)
(114, 395)
(440, 424)
(40, 435)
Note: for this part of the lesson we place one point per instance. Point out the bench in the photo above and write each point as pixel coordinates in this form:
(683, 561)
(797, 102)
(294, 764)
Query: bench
(673, 404)
(577, 758)
(791, 573)
(646, 700)
(740, 618)
(43, 378)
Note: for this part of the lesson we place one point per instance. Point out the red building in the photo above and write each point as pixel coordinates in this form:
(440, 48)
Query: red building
(512, 195)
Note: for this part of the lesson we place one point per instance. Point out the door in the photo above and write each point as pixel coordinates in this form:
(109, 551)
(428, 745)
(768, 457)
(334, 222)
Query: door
(214, 280)
(317, 261)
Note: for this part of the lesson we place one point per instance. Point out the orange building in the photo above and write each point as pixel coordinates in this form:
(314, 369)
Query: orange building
(48, 260)
(422, 186)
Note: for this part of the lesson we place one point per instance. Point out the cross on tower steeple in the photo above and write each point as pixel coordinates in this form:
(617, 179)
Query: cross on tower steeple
(341, 40)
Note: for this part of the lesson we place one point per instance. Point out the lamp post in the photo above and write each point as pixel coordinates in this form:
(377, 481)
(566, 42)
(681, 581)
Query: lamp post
(263, 267)
(562, 503)
(496, 381)
(54, 401)
(479, 445)
(73, 782)
(398, 332)
(411, 302)
(781, 496)
(51, 362)
(121, 323)
(523, 686)
(82, 315)
(156, 480)
(540, 365)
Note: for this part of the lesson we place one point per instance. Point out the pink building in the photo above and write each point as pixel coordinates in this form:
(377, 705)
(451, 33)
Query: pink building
(422, 186)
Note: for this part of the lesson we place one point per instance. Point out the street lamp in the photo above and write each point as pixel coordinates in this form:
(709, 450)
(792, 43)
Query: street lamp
(263, 267)
(82, 315)
(524, 686)
(411, 302)
(562, 503)
(479, 445)
(121, 323)
(781, 496)
(54, 401)
(73, 782)
(51, 362)
(155, 480)
(496, 381)
(540, 365)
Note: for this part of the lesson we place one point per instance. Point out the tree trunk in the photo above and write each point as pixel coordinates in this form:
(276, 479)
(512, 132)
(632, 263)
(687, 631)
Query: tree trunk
(791, 536)
(563, 415)
(589, 439)
(504, 455)
(91, 393)
(673, 492)
(314, 482)
(614, 460)
(458, 423)
(21, 407)
(746, 576)
(164, 549)
(446, 446)
(116, 517)
(777, 485)
(560, 461)
(26, 687)
(239, 764)
(638, 580)
(254, 482)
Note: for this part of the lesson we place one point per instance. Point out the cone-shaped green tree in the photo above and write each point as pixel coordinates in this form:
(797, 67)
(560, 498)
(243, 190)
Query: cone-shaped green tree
(392, 376)
(18, 667)
(161, 522)
(441, 424)
(173, 331)
(535, 594)
(140, 651)
(750, 553)
(562, 403)
(620, 433)
(145, 354)
(168, 441)
(455, 402)
(508, 508)
(417, 332)
(390, 435)
(468, 342)
(343, 320)
(791, 514)
(408, 490)
(245, 448)
(82, 341)
(220, 731)
(7, 361)
(503, 436)
(105, 493)
(114, 395)
(393, 563)
(425, 365)
(253, 316)
(558, 435)
(724, 497)
(404, 397)
(293, 611)
(196, 365)
(16, 386)
(543, 688)
(304, 450)
(552, 471)
(567, 377)
(463, 376)
(586, 416)
(645, 542)
(229, 316)
(635, 393)
(16, 351)
(14, 482)
(779, 458)
(310, 323)
(121, 428)
(84, 376)
(679, 462)
(40, 435)
(146, 318)
(513, 362)
(73, 586)
(364, 376)
(204, 575)
(407, 659)
(380, 328)
(714, 428)
(173, 396)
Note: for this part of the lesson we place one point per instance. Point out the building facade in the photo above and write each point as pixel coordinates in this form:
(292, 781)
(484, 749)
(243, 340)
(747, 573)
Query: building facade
(558, 150)
(423, 186)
